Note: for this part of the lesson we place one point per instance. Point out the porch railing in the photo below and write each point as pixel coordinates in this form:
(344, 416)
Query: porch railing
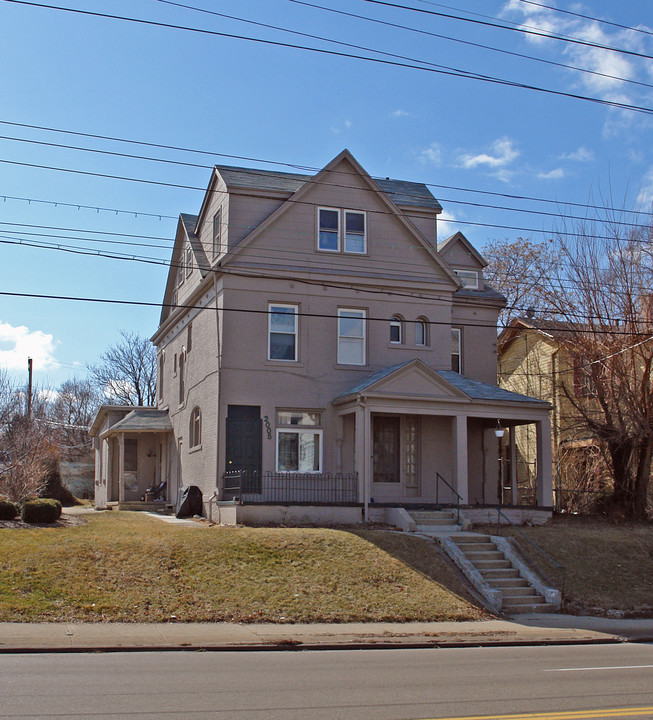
(290, 488)
(533, 544)
(439, 479)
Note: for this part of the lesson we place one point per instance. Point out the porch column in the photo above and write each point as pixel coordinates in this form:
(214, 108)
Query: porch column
(513, 466)
(121, 467)
(359, 450)
(544, 463)
(459, 446)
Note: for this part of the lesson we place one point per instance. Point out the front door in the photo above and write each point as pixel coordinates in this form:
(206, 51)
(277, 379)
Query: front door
(386, 439)
(244, 443)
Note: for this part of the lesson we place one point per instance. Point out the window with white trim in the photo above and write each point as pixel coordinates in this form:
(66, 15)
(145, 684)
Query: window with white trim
(189, 261)
(421, 329)
(217, 233)
(341, 230)
(351, 336)
(456, 350)
(299, 441)
(282, 332)
(160, 377)
(195, 428)
(469, 278)
(182, 380)
(396, 334)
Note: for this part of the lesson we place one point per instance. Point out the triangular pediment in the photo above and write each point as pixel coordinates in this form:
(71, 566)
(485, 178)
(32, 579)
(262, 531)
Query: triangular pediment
(412, 379)
(457, 250)
(290, 232)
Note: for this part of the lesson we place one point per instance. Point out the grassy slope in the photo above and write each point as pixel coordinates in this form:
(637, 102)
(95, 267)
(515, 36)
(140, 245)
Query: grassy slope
(128, 567)
(607, 566)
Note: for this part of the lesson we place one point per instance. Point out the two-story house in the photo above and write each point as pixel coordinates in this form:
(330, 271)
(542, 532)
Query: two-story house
(318, 347)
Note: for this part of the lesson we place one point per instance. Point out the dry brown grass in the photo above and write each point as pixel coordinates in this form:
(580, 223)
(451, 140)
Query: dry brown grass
(608, 566)
(129, 567)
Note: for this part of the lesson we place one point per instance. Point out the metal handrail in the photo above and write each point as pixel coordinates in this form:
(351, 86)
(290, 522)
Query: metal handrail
(439, 477)
(501, 514)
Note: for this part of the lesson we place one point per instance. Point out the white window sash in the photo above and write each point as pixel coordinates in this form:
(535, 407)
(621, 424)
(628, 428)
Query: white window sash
(351, 348)
(293, 332)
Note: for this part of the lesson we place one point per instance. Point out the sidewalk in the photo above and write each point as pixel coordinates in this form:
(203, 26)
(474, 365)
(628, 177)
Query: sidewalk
(529, 630)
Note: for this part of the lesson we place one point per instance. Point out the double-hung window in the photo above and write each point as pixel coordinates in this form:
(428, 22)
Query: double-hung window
(351, 337)
(456, 350)
(299, 441)
(189, 260)
(395, 330)
(195, 428)
(217, 233)
(341, 230)
(469, 279)
(282, 332)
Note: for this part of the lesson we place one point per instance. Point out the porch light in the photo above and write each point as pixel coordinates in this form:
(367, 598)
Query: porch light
(499, 431)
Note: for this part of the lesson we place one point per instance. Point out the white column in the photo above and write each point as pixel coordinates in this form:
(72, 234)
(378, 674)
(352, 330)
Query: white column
(513, 466)
(544, 463)
(369, 473)
(459, 447)
(121, 467)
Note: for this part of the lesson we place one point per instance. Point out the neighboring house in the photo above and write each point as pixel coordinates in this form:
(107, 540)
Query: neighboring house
(318, 346)
(536, 358)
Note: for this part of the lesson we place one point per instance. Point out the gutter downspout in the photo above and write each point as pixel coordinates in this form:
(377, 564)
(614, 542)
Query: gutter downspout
(219, 362)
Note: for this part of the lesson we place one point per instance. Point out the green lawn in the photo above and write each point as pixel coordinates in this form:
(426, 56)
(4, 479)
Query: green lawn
(133, 568)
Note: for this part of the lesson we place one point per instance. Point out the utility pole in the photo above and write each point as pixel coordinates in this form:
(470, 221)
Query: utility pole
(29, 388)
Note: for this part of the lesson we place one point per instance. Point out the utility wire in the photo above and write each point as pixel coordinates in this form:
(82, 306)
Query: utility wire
(587, 17)
(79, 206)
(520, 29)
(308, 168)
(460, 41)
(324, 51)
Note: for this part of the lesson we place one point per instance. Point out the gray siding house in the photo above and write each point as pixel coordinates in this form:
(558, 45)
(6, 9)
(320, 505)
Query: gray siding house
(318, 347)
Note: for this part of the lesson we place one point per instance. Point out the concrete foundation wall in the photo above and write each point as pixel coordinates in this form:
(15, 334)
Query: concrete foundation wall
(518, 516)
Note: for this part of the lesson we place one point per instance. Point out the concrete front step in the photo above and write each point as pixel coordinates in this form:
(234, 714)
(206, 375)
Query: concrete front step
(511, 600)
(500, 573)
(476, 547)
(489, 554)
(466, 538)
(508, 583)
(491, 564)
(435, 521)
(530, 608)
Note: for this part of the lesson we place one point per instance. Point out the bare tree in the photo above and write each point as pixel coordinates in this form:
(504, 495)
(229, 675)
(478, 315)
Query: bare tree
(519, 270)
(601, 290)
(126, 373)
(72, 412)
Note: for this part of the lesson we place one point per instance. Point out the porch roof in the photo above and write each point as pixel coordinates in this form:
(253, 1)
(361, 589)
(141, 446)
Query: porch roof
(141, 420)
(461, 386)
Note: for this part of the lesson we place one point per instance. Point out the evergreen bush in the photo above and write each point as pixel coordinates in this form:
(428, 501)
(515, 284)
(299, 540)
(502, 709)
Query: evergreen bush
(41, 510)
(8, 510)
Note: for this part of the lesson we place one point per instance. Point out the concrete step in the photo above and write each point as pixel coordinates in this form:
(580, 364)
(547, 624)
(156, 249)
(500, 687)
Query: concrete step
(476, 547)
(520, 592)
(529, 608)
(508, 582)
(432, 513)
(491, 564)
(484, 555)
(534, 600)
(435, 521)
(466, 538)
(499, 573)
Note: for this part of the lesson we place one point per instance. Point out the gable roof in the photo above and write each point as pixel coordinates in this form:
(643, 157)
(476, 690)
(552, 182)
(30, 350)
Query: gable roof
(459, 238)
(456, 384)
(401, 192)
(345, 155)
(141, 419)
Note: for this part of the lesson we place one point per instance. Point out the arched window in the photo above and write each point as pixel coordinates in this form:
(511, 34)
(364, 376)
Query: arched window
(396, 329)
(195, 428)
(421, 332)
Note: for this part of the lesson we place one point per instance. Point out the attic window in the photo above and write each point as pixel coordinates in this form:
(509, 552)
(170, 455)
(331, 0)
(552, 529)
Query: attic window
(217, 233)
(189, 261)
(341, 231)
(469, 278)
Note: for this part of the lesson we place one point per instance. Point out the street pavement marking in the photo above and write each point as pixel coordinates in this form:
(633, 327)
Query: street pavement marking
(586, 669)
(565, 715)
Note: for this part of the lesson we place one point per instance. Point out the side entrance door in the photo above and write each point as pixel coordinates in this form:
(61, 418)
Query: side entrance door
(244, 441)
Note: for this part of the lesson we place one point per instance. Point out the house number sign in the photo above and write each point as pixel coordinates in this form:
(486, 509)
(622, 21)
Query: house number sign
(268, 429)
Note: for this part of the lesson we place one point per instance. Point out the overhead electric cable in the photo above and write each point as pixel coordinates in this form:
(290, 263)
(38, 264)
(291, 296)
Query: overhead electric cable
(521, 29)
(79, 206)
(324, 51)
(460, 41)
(587, 17)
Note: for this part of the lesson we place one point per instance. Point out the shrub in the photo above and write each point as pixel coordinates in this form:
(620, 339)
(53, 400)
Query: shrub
(8, 510)
(41, 510)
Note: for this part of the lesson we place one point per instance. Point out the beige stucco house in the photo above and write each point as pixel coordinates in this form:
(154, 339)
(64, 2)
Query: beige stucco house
(318, 347)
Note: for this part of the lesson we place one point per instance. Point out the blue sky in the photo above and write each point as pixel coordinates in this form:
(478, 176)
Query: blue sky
(231, 97)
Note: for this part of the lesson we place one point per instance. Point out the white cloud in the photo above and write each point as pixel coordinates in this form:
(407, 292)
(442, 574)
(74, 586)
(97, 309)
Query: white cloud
(400, 114)
(503, 153)
(19, 343)
(583, 154)
(432, 154)
(645, 196)
(556, 174)
(446, 227)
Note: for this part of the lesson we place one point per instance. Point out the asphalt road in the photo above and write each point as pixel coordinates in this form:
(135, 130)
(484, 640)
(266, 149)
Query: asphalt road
(561, 682)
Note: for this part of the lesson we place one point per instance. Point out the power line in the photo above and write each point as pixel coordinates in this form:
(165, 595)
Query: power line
(460, 41)
(520, 29)
(79, 206)
(587, 17)
(305, 168)
(438, 70)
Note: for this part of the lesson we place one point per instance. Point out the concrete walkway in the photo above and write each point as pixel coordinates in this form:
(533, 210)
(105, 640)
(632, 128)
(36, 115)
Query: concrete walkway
(530, 629)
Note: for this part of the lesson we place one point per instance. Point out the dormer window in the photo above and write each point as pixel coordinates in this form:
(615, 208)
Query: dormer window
(469, 279)
(341, 231)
